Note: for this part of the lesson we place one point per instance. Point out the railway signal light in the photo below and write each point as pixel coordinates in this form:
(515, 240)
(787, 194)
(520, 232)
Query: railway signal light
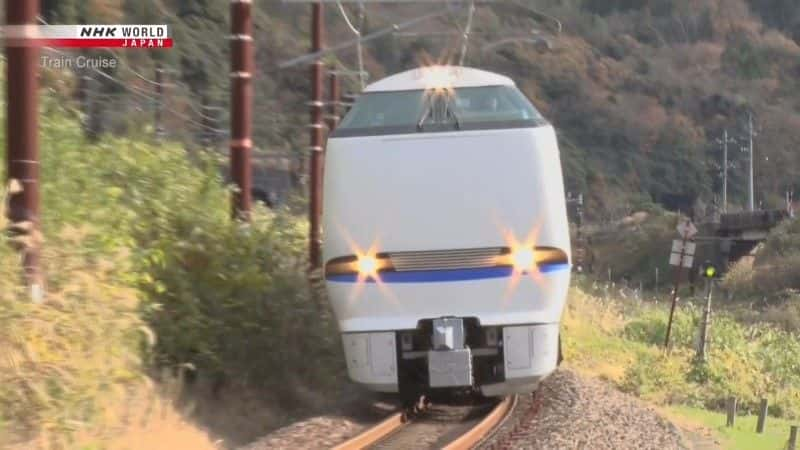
(709, 270)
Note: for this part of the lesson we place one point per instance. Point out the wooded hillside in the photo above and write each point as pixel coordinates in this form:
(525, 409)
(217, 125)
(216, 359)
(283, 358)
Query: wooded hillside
(639, 90)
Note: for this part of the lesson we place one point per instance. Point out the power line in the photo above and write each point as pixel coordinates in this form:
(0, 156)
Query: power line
(372, 36)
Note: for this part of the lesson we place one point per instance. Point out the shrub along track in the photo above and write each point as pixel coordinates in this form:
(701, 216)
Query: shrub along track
(451, 427)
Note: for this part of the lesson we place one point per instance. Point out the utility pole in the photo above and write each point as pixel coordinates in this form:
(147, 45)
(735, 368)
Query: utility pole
(241, 144)
(656, 282)
(22, 121)
(315, 175)
(750, 188)
(725, 172)
(158, 116)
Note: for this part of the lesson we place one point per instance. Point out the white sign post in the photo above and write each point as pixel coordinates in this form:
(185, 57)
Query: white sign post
(682, 255)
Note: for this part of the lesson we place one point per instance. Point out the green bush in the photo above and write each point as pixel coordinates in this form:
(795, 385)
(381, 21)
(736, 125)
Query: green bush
(658, 377)
(234, 300)
(650, 327)
(140, 250)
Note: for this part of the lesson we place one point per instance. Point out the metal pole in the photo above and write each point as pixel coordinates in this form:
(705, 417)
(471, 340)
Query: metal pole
(465, 37)
(702, 348)
(334, 93)
(677, 284)
(362, 17)
(241, 144)
(158, 117)
(656, 282)
(22, 121)
(750, 189)
(725, 172)
(315, 175)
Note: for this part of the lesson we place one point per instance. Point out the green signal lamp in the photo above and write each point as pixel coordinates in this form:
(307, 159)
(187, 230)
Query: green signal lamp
(709, 271)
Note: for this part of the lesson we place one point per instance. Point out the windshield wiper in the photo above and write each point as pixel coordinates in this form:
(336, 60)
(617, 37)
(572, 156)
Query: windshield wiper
(455, 119)
(420, 124)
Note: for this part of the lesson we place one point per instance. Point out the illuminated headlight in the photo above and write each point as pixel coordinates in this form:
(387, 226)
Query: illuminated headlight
(524, 259)
(362, 265)
(367, 265)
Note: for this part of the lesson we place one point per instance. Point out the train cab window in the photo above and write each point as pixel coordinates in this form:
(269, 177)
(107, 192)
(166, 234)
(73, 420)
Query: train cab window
(493, 104)
(384, 109)
(400, 112)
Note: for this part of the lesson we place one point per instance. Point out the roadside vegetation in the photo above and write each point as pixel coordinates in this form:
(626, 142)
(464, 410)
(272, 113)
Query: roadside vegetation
(148, 279)
(622, 341)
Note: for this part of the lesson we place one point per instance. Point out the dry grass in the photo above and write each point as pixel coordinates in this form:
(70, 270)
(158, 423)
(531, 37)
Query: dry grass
(70, 374)
(589, 328)
(148, 420)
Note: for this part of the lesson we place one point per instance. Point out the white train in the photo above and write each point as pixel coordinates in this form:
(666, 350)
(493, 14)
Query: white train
(446, 243)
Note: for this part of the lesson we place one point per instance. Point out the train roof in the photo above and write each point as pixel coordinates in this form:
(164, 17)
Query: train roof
(439, 77)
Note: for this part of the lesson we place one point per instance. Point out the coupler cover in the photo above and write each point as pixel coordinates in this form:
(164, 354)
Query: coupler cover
(450, 368)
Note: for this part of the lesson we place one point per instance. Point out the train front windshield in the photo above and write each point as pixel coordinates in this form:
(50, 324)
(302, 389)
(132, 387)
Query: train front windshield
(483, 107)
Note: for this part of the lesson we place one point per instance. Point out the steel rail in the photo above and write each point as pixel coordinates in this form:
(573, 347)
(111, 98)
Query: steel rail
(374, 434)
(485, 427)
(468, 440)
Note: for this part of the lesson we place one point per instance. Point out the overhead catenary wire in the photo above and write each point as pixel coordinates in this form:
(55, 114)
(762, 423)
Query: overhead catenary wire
(372, 36)
(357, 32)
(467, 30)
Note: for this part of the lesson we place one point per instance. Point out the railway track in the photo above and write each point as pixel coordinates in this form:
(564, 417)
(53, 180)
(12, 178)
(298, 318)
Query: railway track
(438, 426)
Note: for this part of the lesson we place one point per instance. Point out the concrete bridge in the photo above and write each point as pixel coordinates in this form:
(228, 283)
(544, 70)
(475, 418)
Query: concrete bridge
(737, 234)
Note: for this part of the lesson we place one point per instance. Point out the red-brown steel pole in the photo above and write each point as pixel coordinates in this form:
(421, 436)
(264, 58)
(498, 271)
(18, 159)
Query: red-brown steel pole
(315, 188)
(22, 121)
(241, 145)
(334, 93)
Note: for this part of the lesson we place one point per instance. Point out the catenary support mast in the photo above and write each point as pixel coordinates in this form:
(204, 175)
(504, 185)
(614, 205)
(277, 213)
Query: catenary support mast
(241, 144)
(22, 121)
(315, 175)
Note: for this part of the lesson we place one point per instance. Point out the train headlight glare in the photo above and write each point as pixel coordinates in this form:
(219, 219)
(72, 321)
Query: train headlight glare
(367, 265)
(524, 259)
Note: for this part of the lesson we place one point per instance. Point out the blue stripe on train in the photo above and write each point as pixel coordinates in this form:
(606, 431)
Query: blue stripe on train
(438, 276)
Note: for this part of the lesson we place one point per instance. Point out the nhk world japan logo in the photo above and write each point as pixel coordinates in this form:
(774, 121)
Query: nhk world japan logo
(89, 36)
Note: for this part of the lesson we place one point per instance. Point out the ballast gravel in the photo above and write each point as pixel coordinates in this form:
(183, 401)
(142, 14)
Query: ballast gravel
(323, 432)
(572, 412)
(567, 412)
